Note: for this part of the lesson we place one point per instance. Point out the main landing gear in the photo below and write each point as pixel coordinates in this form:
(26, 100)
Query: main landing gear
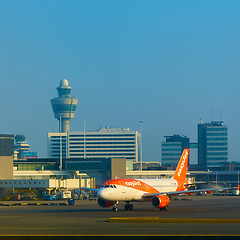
(163, 209)
(128, 207)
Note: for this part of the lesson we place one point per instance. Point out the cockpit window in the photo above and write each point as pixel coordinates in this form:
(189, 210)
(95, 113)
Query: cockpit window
(109, 186)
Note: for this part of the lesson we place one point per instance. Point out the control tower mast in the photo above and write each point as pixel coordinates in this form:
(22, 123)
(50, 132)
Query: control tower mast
(64, 106)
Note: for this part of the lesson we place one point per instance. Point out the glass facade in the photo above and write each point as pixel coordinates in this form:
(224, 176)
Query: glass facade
(6, 145)
(103, 143)
(172, 149)
(213, 145)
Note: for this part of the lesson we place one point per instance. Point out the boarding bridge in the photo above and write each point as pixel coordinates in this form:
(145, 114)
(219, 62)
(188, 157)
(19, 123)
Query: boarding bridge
(47, 183)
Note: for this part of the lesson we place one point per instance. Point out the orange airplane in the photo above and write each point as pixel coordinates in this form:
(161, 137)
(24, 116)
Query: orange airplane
(158, 191)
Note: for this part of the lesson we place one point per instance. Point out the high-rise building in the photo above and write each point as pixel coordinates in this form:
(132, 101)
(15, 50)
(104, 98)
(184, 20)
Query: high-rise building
(6, 156)
(6, 144)
(109, 143)
(172, 149)
(64, 106)
(212, 145)
(21, 146)
(22, 149)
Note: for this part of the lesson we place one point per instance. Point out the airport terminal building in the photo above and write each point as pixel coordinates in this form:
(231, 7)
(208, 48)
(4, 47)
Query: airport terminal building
(104, 143)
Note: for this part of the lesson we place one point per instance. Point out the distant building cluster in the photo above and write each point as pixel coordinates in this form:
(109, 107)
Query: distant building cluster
(103, 143)
(123, 143)
(212, 147)
(88, 158)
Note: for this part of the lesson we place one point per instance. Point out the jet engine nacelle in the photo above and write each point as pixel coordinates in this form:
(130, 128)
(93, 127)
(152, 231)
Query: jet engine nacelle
(160, 201)
(104, 203)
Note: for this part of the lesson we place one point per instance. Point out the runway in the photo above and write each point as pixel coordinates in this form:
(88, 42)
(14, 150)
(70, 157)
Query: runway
(86, 218)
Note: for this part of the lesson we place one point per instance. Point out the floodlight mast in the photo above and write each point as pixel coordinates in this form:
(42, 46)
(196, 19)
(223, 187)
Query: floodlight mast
(141, 145)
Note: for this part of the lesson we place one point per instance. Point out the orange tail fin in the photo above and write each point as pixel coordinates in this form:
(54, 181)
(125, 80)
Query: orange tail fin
(181, 171)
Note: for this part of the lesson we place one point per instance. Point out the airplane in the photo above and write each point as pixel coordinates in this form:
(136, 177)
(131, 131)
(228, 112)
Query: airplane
(158, 191)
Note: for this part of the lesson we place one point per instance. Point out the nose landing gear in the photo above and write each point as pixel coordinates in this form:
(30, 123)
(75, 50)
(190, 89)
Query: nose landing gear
(115, 209)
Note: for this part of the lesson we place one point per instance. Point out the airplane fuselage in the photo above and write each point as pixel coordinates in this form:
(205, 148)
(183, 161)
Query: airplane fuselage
(134, 189)
(159, 191)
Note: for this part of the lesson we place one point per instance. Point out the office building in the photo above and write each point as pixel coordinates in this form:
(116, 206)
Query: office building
(212, 145)
(22, 149)
(172, 149)
(104, 143)
(64, 106)
(21, 146)
(6, 156)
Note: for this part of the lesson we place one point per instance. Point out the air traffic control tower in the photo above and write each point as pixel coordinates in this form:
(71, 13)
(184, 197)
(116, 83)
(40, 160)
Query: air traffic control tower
(64, 106)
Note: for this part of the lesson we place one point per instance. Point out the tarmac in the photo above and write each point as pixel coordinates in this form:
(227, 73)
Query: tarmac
(201, 216)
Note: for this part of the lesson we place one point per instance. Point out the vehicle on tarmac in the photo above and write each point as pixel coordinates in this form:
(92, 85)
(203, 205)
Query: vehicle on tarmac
(157, 191)
(49, 197)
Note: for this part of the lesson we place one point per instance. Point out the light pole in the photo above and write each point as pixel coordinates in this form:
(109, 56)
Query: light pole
(238, 178)
(216, 179)
(141, 123)
(60, 130)
(84, 147)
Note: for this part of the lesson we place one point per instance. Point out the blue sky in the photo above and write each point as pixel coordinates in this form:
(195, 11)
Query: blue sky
(168, 63)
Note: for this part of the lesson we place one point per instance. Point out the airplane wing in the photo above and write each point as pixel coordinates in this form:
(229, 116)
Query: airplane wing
(90, 189)
(149, 195)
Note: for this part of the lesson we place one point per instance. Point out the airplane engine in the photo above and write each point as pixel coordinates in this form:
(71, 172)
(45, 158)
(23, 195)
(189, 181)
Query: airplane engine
(104, 203)
(160, 201)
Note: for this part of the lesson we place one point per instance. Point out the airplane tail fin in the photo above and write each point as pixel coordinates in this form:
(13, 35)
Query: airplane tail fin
(181, 170)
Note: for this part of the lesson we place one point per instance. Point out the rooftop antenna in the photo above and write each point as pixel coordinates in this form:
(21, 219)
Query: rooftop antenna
(60, 131)
(211, 114)
(221, 113)
(84, 146)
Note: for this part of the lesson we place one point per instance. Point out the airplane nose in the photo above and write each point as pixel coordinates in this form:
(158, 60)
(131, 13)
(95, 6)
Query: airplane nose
(105, 194)
(102, 193)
